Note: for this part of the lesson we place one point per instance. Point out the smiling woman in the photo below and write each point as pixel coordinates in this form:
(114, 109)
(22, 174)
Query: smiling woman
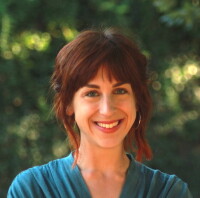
(81, 60)
(101, 85)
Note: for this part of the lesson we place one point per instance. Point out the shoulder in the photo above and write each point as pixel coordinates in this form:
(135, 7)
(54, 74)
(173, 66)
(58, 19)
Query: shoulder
(159, 184)
(36, 181)
(154, 174)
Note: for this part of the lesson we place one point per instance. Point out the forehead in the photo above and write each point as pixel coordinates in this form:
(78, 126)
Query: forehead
(104, 74)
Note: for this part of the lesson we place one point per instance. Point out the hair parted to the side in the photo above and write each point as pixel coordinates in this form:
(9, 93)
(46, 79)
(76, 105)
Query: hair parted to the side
(79, 61)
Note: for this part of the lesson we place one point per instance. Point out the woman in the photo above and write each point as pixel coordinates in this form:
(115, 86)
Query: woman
(103, 101)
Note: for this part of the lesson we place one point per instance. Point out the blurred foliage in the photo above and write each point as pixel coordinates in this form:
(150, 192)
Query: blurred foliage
(33, 31)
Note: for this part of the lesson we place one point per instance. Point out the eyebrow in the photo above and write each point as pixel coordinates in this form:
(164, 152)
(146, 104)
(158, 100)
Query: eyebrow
(97, 87)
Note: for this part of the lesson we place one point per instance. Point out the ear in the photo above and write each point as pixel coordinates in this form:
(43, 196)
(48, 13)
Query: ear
(70, 110)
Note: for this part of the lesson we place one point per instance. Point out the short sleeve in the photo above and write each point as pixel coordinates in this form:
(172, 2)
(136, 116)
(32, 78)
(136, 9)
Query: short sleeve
(179, 189)
(24, 186)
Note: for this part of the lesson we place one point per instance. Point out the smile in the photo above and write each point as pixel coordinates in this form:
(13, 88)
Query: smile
(108, 125)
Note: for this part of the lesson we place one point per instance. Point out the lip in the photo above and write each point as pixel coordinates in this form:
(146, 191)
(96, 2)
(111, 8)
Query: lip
(108, 130)
(108, 122)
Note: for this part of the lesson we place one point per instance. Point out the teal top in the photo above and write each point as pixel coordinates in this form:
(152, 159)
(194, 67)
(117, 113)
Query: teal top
(58, 179)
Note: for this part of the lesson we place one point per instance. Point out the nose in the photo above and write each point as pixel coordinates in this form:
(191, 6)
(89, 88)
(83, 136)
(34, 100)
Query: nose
(107, 106)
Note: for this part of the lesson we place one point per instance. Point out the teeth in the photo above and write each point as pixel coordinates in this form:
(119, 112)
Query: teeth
(108, 126)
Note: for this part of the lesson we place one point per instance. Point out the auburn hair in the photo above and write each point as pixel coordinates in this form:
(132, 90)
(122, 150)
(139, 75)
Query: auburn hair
(79, 61)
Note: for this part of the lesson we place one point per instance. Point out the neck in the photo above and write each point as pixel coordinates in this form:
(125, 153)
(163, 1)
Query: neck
(103, 159)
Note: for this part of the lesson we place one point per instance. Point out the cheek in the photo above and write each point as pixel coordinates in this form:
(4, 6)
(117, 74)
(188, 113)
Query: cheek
(83, 111)
(130, 109)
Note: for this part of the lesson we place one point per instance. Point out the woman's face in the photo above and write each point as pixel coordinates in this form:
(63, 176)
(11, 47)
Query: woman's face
(104, 111)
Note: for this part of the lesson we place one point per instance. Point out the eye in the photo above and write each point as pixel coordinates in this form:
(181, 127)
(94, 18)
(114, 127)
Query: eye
(92, 94)
(120, 91)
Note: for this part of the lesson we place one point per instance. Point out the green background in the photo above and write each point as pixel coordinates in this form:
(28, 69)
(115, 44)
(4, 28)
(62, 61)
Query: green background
(31, 34)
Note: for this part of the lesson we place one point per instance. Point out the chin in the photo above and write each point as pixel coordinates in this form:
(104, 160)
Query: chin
(110, 144)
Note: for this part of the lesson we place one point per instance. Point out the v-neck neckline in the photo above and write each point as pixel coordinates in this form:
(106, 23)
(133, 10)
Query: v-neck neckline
(131, 181)
(131, 178)
(75, 172)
